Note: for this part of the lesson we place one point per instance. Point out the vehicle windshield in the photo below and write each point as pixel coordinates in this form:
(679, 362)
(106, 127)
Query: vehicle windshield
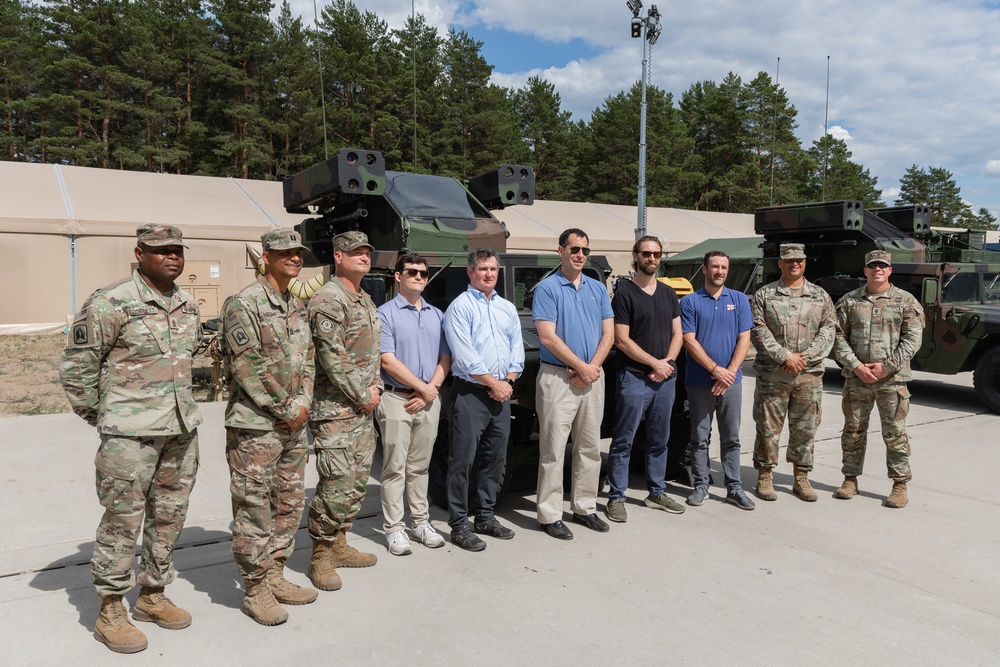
(960, 287)
(422, 196)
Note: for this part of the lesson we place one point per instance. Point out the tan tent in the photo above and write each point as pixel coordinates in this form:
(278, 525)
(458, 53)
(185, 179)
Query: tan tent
(66, 231)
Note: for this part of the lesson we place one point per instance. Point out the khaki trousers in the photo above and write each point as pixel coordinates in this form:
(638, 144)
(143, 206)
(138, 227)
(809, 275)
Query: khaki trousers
(407, 444)
(564, 411)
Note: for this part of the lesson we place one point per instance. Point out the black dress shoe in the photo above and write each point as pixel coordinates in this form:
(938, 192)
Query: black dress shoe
(592, 521)
(558, 530)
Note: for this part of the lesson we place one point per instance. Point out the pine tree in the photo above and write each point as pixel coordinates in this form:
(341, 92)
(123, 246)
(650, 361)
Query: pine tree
(546, 128)
(244, 36)
(844, 179)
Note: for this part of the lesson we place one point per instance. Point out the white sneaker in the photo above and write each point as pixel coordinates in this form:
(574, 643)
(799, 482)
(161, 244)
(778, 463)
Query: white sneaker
(399, 543)
(426, 535)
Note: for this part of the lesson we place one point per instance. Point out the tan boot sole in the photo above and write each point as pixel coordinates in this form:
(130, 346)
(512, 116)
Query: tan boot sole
(121, 648)
(139, 615)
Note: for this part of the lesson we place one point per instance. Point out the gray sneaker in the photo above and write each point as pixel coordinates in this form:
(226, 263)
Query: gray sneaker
(697, 496)
(665, 503)
(616, 511)
(739, 499)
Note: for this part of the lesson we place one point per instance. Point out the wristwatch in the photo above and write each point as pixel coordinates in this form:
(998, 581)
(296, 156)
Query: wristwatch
(673, 364)
(509, 381)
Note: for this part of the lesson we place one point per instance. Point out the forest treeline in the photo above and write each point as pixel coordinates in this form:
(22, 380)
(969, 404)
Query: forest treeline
(218, 88)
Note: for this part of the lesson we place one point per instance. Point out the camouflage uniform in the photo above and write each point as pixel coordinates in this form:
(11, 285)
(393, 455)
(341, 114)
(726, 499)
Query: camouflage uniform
(270, 351)
(126, 369)
(346, 329)
(785, 324)
(884, 328)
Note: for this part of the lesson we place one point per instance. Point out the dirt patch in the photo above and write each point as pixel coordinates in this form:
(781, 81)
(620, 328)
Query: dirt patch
(29, 375)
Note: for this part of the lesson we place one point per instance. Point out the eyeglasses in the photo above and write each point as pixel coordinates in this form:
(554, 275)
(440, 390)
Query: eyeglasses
(877, 265)
(413, 273)
(577, 249)
(651, 254)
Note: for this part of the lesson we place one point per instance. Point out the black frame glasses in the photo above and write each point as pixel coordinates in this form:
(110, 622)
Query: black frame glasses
(578, 248)
(876, 265)
(651, 254)
(413, 273)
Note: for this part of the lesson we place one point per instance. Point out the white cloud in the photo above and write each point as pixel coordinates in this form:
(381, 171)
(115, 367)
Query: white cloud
(890, 194)
(992, 168)
(838, 132)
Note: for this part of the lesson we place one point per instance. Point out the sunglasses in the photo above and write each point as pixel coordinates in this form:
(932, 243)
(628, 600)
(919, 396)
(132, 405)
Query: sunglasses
(577, 249)
(413, 273)
(877, 265)
(651, 254)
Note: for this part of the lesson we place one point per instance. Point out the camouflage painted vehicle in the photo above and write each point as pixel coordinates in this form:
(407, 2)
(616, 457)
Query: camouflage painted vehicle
(951, 273)
(442, 219)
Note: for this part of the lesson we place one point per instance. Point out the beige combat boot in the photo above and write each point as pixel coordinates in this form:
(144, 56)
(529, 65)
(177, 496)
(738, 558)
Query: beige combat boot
(848, 489)
(802, 488)
(260, 605)
(322, 572)
(765, 485)
(155, 607)
(344, 555)
(114, 630)
(285, 591)
(898, 497)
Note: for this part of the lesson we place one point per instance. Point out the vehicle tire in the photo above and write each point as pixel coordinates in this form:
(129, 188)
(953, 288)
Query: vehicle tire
(986, 378)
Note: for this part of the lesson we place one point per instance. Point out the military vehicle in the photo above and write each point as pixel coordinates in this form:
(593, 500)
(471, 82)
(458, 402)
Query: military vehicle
(951, 273)
(442, 219)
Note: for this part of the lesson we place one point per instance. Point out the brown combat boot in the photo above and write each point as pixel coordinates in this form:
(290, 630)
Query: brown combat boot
(898, 497)
(765, 485)
(114, 630)
(260, 605)
(802, 488)
(285, 591)
(848, 489)
(322, 572)
(344, 555)
(155, 607)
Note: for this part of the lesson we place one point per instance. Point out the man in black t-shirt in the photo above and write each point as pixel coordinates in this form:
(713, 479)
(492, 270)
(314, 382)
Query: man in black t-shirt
(648, 337)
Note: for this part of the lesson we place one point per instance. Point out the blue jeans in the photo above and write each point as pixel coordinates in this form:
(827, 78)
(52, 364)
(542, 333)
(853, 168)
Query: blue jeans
(726, 408)
(638, 398)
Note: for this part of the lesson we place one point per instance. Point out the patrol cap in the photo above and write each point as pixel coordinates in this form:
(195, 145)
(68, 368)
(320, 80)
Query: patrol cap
(792, 251)
(878, 256)
(281, 239)
(349, 241)
(159, 235)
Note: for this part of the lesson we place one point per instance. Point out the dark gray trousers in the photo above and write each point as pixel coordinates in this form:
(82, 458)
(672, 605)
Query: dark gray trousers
(479, 425)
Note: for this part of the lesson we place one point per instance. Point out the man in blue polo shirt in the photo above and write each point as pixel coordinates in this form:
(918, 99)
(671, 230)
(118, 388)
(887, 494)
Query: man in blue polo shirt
(576, 328)
(716, 324)
(415, 361)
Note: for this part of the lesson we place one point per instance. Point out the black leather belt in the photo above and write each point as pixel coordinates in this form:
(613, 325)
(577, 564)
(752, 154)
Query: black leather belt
(555, 365)
(398, 390)
(474, 385)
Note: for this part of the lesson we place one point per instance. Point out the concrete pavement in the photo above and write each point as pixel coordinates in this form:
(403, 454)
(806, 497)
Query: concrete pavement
(831, 582)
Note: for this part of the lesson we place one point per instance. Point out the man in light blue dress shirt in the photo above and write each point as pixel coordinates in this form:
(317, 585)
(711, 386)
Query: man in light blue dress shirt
(484, 334)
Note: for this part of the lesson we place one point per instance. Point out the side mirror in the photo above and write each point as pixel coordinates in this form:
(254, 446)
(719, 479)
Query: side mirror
(929, 293)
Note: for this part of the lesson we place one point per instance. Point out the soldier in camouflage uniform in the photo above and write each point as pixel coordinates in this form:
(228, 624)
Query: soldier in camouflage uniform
(270, 353)
(126, 369)
(793, 333)
(346, 330)
(879, 327)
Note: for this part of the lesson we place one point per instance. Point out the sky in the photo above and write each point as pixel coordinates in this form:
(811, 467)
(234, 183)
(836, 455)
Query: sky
(911, 81)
